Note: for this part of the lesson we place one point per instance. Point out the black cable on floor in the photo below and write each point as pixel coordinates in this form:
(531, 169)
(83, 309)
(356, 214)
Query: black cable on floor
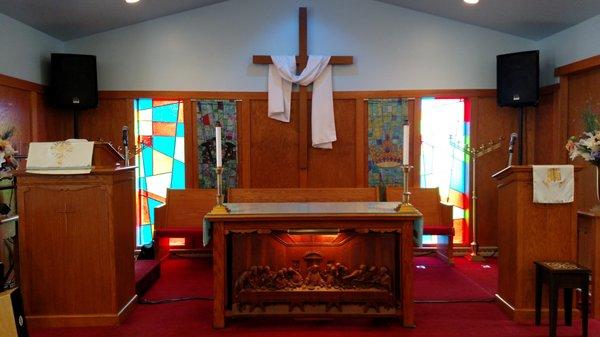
(177, 299)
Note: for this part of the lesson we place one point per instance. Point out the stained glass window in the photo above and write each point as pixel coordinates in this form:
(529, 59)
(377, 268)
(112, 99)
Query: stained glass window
(159, 135)
(208, 113)
(386, 118)
(445, 127)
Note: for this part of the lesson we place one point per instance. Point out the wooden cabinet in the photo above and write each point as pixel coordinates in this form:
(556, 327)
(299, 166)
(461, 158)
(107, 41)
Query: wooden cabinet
(588, 253)
(76, 245)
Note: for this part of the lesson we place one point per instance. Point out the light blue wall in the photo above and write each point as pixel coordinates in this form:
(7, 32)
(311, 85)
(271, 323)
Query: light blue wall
(210, 48)
(578, 42)
(25, 51)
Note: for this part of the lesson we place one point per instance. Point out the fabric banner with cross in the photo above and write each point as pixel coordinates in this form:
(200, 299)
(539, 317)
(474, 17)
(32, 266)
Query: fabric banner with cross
(73, 156)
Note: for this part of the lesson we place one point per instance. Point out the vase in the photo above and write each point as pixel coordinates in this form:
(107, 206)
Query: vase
(596, 208)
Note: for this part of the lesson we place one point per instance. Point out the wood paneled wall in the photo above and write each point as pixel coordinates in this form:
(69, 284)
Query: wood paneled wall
(579, 89)
(22, 105)
(268, 150)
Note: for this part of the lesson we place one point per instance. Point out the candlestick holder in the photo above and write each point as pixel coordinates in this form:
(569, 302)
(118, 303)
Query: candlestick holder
(405, 207)
(219, 208)
(474, 153)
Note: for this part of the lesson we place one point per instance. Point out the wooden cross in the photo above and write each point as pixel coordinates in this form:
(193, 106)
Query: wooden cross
(301, 61)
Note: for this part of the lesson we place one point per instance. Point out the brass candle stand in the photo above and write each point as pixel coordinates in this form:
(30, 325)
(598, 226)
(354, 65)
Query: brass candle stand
(220, 208)
(474, 153)
(405, 207)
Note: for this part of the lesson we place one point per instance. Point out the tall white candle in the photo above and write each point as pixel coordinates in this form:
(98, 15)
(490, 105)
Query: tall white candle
(219, 145)
(406, 144)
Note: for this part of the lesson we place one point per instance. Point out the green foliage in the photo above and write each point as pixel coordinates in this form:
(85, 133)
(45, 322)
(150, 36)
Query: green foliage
(7, 133)
(590, 120)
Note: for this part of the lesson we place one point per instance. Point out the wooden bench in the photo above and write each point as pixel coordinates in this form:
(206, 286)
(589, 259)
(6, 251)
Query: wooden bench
(181, 217)
(437, 216)
(339, 194)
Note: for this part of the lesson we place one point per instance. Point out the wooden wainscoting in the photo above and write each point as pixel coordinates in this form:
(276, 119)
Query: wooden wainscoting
(268, 150)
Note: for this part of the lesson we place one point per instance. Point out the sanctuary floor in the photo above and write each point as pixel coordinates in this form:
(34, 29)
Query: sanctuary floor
(451, 301)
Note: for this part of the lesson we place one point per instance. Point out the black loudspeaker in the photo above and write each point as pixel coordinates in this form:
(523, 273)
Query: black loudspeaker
(518, 79)
(12, 316)
(73, 81)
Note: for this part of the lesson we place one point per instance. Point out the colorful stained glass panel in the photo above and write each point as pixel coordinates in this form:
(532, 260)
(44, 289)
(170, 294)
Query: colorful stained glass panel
(444, 130)
(208, 113)
(160, 163)
(386, 118)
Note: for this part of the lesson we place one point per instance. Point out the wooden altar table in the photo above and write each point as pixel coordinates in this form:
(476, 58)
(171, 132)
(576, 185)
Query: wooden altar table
(312, 260)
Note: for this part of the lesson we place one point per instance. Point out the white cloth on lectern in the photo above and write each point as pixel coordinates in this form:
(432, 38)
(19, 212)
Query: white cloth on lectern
(553, 184)
(282, 73)
(73, 156)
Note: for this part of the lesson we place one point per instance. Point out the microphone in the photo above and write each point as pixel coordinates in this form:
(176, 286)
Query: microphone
(511, 146)
(125, 130)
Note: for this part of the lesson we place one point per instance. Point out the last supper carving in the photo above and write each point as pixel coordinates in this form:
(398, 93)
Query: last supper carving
(327, 270)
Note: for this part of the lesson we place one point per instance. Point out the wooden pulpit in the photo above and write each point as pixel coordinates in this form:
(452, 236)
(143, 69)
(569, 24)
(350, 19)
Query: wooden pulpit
(528, 232)
(76, 243)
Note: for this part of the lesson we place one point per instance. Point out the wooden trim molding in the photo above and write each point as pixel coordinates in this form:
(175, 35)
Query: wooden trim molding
(550, 89)
(578, 66)
(453, 93)
(18, 83)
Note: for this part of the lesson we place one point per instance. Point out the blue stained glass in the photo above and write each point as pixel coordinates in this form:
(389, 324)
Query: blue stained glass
(147, 157)
(178, 180)
(165, 113)
(142, 185)
(457, 178)
(144, 103)
(146, 233)
(180, 130)
(164, 144)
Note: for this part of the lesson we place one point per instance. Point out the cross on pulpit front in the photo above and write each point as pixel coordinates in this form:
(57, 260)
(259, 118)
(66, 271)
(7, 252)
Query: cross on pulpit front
(65, 211)
(301, 61)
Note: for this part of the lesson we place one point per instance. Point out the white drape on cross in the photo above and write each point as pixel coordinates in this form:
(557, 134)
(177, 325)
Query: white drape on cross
(282, 73)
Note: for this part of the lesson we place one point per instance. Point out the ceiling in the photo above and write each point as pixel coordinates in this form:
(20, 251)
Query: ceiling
(70, 19)
(532, 19)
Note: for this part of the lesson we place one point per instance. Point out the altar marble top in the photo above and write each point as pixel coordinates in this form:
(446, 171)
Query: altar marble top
(313, 208)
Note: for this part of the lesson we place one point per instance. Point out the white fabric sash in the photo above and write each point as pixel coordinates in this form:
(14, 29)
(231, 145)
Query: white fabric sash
(553, 184)
(282, 73)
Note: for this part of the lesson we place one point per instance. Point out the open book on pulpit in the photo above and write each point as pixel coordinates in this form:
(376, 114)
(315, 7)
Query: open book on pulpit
(72, 156)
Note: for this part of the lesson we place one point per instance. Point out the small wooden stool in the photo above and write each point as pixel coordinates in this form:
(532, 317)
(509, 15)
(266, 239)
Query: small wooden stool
(565, 275)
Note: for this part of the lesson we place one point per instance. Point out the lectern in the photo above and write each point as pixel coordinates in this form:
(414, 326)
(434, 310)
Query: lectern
(76, 244)
(528, 232)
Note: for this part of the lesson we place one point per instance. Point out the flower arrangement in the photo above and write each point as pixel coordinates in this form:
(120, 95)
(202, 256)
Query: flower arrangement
(587, 146)
(8, 162)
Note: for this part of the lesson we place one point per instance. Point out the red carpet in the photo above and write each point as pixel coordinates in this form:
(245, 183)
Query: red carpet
(437, 281)
(192, 277)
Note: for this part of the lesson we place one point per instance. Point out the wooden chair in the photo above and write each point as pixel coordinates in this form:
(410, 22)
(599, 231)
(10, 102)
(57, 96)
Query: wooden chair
(181, 217)
(437, 216)
(302, 194)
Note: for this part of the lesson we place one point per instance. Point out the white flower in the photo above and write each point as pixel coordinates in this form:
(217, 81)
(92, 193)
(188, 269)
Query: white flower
(586, 156)
(2, 160)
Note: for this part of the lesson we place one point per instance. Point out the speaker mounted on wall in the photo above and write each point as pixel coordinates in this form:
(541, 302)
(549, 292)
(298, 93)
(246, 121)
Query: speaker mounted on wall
(73, 81)
(518, 79)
